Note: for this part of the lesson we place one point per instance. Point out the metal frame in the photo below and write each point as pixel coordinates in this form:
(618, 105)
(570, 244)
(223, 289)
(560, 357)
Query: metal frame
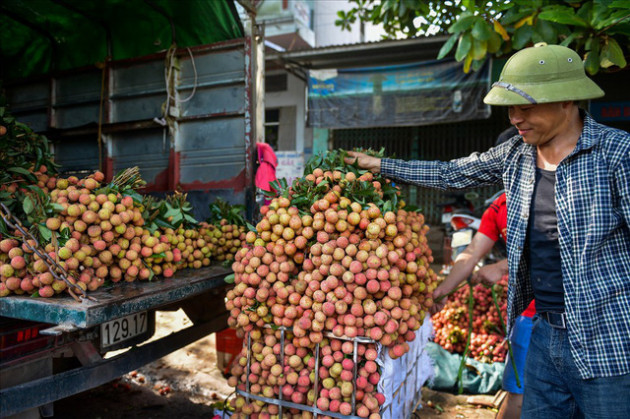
(42, 391)
(283, 403)
(114, 302)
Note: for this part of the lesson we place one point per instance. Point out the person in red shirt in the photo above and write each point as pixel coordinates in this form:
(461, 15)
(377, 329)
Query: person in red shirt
(493, 226)
(266, 170)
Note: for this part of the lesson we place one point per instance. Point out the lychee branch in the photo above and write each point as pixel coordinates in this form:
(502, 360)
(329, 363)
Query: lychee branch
(53, 266)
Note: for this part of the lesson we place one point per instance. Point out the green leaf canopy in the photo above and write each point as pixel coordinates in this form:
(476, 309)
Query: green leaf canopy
(40, 36)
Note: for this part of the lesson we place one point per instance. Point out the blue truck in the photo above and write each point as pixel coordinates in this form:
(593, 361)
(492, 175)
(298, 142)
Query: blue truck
(176, 91)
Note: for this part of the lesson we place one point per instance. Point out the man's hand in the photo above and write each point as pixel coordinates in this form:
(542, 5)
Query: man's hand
(490, 274)
(438, 301)
(373, 164)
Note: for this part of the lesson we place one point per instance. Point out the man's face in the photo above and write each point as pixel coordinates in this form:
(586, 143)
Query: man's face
(538, 123)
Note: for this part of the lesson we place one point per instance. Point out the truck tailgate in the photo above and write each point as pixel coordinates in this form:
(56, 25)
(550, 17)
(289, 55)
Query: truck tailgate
(114, 301)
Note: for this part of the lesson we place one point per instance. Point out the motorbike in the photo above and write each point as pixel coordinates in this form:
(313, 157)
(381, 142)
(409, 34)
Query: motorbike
(457, 203)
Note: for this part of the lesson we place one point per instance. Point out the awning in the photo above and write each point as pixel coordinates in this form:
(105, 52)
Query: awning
(421, 93)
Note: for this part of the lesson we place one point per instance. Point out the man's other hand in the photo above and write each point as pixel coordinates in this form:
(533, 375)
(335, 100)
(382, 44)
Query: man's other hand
(373, 164)
(490, 274)
(439, 299)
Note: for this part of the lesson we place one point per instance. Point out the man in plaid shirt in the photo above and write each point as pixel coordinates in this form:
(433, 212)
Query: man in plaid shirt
(567, 181)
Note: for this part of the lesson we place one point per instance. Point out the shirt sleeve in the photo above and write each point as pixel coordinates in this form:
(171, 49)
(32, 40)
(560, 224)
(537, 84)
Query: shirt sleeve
(489, 223)
(622, 181)
(478, 169)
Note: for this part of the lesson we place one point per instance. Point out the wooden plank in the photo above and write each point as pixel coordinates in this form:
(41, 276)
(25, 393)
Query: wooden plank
(114, 301)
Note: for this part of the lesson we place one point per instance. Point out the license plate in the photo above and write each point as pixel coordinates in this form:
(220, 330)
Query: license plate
(446, 218)
(461, 238)
(124, 328)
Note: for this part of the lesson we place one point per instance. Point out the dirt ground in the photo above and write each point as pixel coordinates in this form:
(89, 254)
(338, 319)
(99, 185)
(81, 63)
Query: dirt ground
(184, 384)
(187, 384)
(443, 405)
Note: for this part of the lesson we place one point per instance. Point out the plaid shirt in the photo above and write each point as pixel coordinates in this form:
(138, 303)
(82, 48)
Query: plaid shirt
(593, 206)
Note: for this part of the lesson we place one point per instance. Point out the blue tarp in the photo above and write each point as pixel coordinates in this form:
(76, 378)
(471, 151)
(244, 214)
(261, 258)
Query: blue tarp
(411, 94)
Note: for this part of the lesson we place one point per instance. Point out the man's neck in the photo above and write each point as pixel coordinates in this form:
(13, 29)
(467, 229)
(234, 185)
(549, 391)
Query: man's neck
(554, 151)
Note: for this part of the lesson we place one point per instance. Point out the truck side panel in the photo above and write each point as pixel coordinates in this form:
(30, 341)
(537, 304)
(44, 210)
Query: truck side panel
(202, 146)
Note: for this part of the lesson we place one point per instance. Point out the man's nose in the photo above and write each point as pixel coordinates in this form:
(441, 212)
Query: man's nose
(516, 117)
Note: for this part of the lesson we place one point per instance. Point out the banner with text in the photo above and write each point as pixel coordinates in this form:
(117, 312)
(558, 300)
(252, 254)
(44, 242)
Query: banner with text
(411, 94)
(290, 165)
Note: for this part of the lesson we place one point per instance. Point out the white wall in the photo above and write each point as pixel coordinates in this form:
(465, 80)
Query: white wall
(326, 33)
(294, 96)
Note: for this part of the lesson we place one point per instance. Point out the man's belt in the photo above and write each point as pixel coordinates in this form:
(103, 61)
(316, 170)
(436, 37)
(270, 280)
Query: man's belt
(556, 320)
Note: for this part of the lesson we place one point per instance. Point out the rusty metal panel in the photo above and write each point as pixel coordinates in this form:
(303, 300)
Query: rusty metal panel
(76, 99)
(29, 103)
(77, 154)
(211, 144)
(147, 149)
(212, 153)
(138, 91)
(208, 147)
(211, 100)
(212, 83)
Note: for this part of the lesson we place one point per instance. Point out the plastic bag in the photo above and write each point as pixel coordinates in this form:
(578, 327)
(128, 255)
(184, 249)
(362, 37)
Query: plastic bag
(478, 377)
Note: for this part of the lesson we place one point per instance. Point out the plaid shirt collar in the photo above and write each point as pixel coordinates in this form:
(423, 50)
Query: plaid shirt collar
(587, 141)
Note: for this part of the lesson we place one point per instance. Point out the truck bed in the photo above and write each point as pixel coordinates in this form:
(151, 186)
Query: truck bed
(204, 288)
(114, 301)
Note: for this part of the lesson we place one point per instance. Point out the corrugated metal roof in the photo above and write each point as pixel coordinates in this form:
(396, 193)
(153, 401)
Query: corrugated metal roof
(363, 54)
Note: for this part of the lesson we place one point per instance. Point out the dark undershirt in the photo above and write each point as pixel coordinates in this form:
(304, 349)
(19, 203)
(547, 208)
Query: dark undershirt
(544, 248)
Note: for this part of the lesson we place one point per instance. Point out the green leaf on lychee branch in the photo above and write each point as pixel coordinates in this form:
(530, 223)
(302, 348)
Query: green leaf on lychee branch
(221, 210)
(137, 198)
(4, 231)
(62, 236)
(171, 211)
(37, 190)
(44, 232)
(254, 306)
(181, 209)
(24, 172)
(190, 219)
(28, 205)
(5, 197)
(163, 224)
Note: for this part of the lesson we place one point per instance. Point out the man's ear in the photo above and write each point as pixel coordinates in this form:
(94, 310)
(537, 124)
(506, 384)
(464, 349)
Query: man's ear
(568, 104)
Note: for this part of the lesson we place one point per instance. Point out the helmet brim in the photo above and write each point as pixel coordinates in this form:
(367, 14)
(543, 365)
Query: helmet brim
(560, 91)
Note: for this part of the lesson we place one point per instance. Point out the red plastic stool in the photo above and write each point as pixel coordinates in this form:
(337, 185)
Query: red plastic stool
(228, 346)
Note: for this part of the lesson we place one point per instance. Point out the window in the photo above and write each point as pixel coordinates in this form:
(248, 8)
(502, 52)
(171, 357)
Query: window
(272, 126)
(276, 83)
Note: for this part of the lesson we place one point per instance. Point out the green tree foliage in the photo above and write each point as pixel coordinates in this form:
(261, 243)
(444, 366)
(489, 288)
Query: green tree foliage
(599, 30)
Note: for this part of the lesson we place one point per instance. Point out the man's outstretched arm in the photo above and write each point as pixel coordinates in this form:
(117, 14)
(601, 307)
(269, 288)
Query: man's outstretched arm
(462, 268)
(373, 164)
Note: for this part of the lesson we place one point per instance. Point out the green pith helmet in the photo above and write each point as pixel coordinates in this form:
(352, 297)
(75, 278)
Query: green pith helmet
(542, 74)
